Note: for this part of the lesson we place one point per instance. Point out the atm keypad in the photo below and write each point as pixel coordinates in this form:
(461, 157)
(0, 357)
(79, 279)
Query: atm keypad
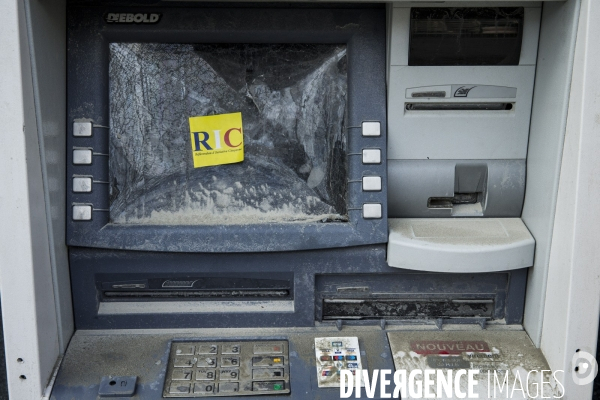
(210, 369)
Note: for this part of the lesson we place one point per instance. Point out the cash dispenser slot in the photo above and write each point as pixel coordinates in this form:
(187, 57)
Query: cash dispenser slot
(407, 308)
(411, 296)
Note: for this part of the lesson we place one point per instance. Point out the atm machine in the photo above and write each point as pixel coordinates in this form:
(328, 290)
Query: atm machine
(378, 220)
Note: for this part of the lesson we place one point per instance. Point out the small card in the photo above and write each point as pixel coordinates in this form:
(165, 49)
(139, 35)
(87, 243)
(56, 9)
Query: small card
(217, 139)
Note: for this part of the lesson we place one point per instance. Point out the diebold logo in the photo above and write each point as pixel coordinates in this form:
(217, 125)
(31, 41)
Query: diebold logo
(131, 18)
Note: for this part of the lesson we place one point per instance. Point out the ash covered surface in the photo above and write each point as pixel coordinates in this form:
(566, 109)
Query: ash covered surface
(293, 104)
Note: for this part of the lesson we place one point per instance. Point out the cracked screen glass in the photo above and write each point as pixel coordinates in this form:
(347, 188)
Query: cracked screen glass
(292, 98)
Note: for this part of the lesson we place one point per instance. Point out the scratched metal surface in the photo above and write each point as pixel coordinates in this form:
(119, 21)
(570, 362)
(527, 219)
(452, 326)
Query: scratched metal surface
(144, 353)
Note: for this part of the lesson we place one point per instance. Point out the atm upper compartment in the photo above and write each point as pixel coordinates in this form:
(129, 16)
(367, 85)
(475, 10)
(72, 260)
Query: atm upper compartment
(460, 81)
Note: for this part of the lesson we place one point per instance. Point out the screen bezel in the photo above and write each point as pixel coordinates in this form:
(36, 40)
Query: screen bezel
(361, 29)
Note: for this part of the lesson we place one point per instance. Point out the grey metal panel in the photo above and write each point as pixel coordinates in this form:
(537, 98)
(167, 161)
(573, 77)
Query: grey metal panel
(411, 351)
(548, 124)
(464, 134)
(412, 182)
(363, 32)
(91, 356)
(515, 296)
(307, 271)
(47, 46)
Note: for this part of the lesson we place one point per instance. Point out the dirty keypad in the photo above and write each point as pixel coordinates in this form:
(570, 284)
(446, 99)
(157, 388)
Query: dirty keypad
(231, 368)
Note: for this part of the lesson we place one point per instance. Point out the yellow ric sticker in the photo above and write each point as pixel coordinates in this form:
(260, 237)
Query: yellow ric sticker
(217, 139)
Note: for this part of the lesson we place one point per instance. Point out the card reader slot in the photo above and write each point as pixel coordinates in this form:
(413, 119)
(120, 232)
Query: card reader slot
(175, 294)
(449, 202)
(489, 106)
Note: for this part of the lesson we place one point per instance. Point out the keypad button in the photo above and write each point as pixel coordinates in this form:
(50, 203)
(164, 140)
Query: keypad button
(179, 388)
(267, 373)
(228, 387)
(267, 361)
(184, 362)
(206, 375)
(233, 348)
(261, 348)
(230, 361)
(204, 388)
(208, 349)
(268, 386)
(184, 350)
(232, 374)
(182, 375)
(205, 362)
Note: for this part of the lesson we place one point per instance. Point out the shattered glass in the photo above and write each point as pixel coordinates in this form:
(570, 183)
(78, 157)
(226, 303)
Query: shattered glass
(293, 103)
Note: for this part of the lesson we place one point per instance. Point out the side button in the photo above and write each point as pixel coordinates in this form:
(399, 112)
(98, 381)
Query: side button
(82, 184)
(371, 129)
(82, 156)
(372, 211)
(371, 156)
(82, 212)
(371, 183)
(82, 128)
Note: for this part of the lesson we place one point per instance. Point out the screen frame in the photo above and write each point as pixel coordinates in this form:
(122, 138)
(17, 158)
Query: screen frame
(361, 29)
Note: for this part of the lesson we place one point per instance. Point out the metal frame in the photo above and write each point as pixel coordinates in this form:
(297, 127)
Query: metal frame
(572, 303)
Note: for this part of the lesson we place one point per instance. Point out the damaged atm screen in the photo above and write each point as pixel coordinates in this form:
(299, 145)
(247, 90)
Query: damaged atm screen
(291, 99)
